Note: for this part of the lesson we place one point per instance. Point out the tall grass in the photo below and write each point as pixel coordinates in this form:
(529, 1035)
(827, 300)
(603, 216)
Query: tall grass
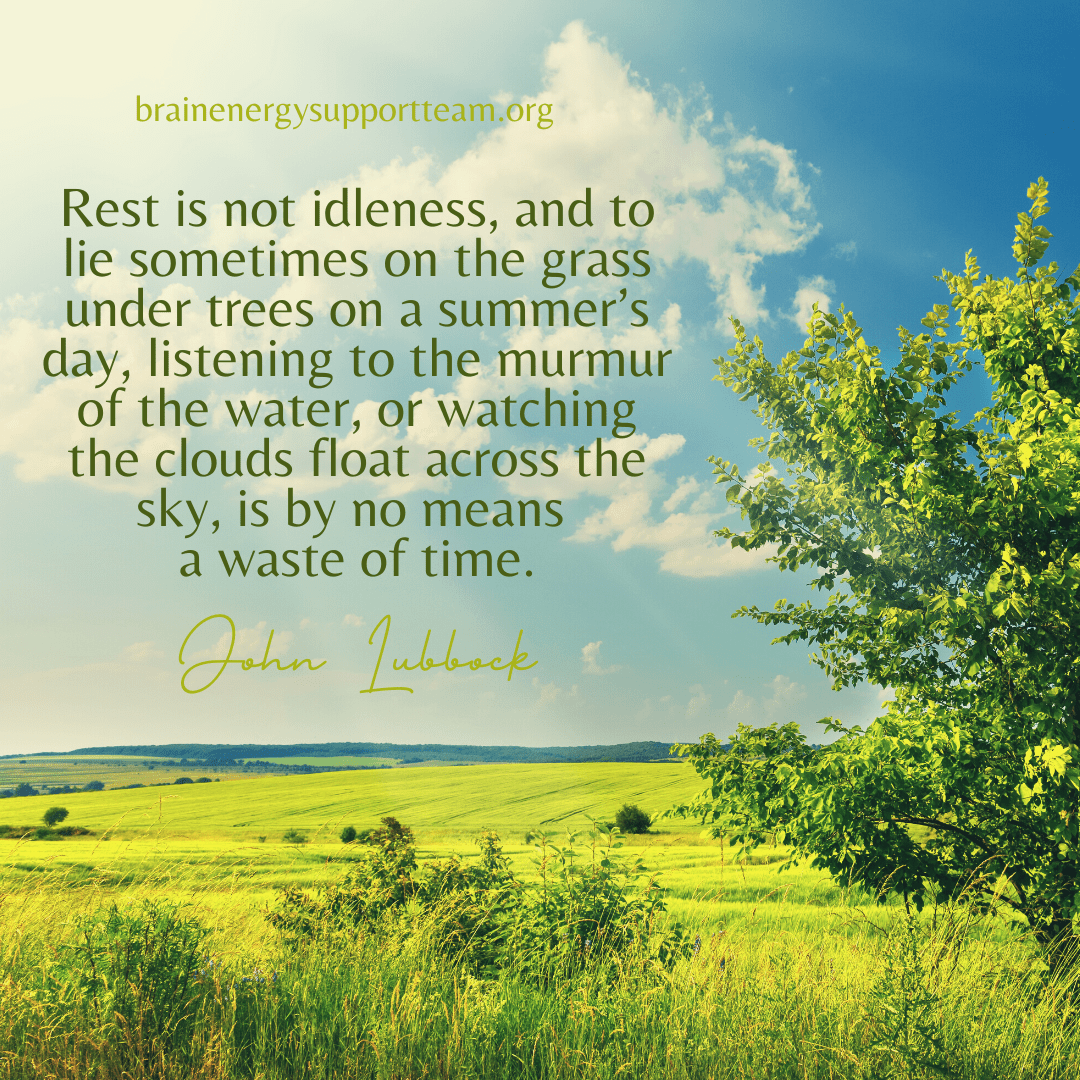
(929, 998)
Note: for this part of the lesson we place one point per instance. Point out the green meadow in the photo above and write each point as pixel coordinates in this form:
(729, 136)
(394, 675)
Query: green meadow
(144, 949)
(344, 762)
(442, 799)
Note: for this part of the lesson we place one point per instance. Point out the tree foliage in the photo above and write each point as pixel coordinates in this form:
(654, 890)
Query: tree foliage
(632, 819)
(948, 556)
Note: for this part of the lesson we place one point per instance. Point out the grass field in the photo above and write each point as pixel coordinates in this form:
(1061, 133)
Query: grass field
(330, 762)
(449, 799)
(794, 975)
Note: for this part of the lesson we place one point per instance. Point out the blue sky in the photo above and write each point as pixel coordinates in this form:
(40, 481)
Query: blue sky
(793, 152)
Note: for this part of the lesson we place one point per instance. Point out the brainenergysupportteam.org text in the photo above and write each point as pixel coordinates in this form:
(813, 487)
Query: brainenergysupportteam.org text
(292, 115)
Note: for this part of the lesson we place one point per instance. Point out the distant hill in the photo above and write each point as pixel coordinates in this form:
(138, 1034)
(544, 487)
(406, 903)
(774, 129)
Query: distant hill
(407, 753)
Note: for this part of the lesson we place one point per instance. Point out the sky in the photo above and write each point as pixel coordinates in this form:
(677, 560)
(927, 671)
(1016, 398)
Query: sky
(778, 154)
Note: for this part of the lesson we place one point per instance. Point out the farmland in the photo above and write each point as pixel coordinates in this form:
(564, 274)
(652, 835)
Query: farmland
(790, 962)
(449, 799)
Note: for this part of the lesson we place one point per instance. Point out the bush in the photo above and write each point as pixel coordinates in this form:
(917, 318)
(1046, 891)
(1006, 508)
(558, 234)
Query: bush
(294, 837)
(348, 834)
(393, 836)
(23, 790)
(183, 780)
(54, 815)
(133, 973)
(585, 910)
(94, 785)
(632, 819)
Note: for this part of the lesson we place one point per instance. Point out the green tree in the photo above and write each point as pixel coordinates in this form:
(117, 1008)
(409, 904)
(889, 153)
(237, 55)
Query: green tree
(54, 815)
(948, 556)
(632, 819)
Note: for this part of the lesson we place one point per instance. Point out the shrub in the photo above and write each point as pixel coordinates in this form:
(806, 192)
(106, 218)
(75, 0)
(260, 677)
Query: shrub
(584, 910)
(133, 974)
(94, 785)
(294, 837)
(393, 836)
(632, 819)
(348, 834)
(183, 780)
(23, 790)
(54, 815)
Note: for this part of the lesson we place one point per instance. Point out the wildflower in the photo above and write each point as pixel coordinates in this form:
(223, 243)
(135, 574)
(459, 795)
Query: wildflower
(722, 965)
(697, 944)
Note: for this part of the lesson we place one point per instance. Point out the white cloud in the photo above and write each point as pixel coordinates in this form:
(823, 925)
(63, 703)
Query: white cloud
(786, 694)
(687, 486)
(251, 641)
(698, 702)
(742, 709)
(778, 707)
(685, 539)
(849, 250)
(590, 660)
(551, 692)
(811, 291)
(140, 652)
(352, 620)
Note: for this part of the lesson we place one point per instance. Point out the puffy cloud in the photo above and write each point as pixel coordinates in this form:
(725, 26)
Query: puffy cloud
(551, 692)
(685, 538)
(140, 652)
(779, 706)
(811, 291)
(786, 694)
(251, 641)
(699, 701)
(590, 660)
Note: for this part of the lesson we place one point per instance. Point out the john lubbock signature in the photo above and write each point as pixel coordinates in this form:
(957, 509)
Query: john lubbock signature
(424, 664)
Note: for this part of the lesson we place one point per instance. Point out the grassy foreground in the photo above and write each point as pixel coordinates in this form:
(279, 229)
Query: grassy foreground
(780, 976)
